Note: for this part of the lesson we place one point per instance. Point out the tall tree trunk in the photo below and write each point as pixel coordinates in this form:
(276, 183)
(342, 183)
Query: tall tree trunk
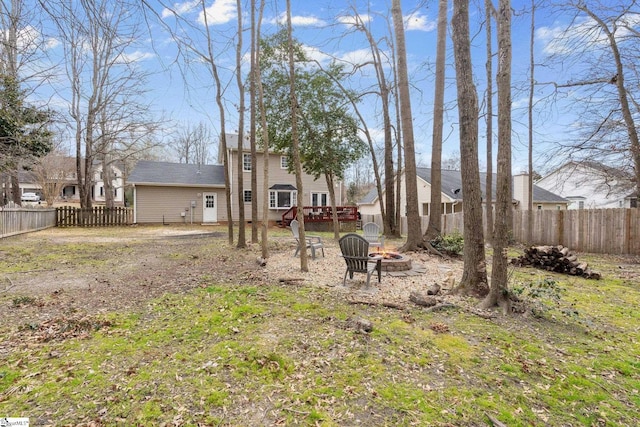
(397, 221)
(242, 242)
(414, 231)
(387, 206)
(474, 277)
(297, 164)
(223, 131)
(530, 117)
(252, 115)
(387, 210)
(498, 293)
(265, 140)
(488, 193)
(435, 211)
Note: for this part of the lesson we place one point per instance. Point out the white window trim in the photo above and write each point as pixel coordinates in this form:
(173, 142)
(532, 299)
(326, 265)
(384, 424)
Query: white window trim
(319, 194)
(284, 162)
(273, 199)
(244, 196)
(244, 162)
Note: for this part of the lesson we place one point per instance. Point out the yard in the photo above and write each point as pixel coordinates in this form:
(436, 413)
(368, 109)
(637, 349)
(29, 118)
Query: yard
(172, 326)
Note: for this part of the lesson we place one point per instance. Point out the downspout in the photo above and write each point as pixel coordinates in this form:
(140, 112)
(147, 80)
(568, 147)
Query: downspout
(135, 204)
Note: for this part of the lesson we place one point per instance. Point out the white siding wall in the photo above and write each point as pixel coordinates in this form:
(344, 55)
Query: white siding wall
(158, 204)
(277, 175)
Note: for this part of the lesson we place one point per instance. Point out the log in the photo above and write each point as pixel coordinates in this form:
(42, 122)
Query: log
(558, 259)
(419, 299)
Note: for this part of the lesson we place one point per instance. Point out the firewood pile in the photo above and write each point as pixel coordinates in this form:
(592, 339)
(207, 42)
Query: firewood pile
(558, 259)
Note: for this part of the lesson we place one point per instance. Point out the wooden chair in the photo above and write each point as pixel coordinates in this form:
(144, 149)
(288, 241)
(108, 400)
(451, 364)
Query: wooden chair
(371, 233)
(313, 242)
(355, 251)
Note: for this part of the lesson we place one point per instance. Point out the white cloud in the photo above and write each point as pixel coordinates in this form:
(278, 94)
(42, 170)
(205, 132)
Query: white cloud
(220, 12)
(583, 35)
(351, 20)
(315, 54)
(419, 22)
(299, 21)
(180, 8)
(357, 57)
(136, 56)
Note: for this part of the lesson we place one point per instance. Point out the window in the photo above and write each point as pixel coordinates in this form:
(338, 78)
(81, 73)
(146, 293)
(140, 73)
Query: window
(246, 162)
(558, 207)
(539, 207)
(282, 198)
(284, 163)
(319, 199)
(247, 196)
(581, 204)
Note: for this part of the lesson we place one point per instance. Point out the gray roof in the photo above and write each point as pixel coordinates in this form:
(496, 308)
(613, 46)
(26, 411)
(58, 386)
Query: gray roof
(452, 187)
(165, 173)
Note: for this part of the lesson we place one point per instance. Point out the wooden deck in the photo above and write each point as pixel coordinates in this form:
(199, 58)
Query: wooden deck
(321, 214)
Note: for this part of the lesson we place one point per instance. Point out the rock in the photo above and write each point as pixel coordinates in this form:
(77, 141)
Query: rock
(420, 299)
(433, 289)
(361, 325)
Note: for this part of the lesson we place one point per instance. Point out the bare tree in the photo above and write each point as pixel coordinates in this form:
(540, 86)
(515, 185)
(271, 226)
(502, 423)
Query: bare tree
(194, 144)
(498, 293)
(532, 82)
(105, 88)
(388, 206)
(474, 277)
(435, 211)
(242, 243)
(601, 44)
(488, 193)
(252, 125)
(52, 173)
(265, 140)
(414, 231)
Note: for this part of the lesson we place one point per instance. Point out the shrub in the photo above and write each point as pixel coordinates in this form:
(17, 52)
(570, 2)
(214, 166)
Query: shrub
(450, 244)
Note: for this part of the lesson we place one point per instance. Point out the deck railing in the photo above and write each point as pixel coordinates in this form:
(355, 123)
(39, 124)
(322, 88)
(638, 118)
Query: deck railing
(321, 214)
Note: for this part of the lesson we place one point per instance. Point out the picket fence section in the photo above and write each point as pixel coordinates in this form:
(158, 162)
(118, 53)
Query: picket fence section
(607, 231)
(23, 220)
(98, 216)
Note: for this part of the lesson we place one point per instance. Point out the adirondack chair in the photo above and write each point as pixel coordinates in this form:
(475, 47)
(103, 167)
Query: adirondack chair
(313, 242)
(355, 251)
(371, 232)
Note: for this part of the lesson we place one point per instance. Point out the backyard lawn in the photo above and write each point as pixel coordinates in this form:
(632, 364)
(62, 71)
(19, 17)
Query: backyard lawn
(173, 326)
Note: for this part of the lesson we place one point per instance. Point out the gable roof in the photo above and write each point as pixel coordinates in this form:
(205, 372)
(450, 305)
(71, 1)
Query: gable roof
(452, 187)
(176, 174)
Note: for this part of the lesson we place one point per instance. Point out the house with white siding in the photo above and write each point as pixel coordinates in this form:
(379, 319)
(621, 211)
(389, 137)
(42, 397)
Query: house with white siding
(187, 193)
(452, 196)
(591, 185)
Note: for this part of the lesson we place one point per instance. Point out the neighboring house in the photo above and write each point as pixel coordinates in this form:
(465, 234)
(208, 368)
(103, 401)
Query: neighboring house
(453, 199)
(177, 192)
(71, 193)
(29, 183)
(591, 185)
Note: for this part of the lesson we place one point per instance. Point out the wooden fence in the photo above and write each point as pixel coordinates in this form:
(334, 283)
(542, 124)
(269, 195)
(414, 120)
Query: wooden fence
(23, 220)
(98, 216)
(608, 231)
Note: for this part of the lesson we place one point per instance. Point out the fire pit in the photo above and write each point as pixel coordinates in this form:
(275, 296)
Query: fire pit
(393, 261)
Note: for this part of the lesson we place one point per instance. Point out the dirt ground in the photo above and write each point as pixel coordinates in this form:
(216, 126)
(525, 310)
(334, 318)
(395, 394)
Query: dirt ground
(56, 272)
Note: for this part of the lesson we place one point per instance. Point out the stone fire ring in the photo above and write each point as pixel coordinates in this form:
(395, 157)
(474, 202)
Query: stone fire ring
(398, 265)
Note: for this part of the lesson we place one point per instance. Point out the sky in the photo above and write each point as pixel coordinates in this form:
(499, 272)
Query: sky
(184, 93)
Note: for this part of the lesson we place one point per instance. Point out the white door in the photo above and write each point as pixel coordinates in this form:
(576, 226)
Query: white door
(209, 207)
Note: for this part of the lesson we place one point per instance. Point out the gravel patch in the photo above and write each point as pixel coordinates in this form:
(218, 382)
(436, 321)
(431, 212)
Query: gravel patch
(395, 287)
